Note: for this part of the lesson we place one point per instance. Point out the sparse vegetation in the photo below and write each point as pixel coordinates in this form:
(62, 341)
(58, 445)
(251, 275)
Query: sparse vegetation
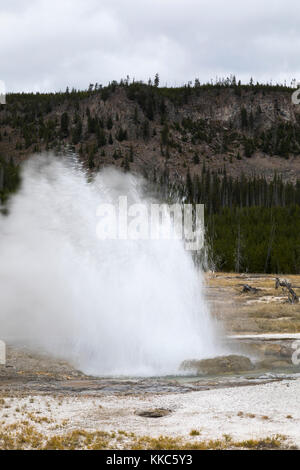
(25, 436)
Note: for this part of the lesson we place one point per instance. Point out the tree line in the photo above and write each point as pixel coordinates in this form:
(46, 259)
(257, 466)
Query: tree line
(252, 224)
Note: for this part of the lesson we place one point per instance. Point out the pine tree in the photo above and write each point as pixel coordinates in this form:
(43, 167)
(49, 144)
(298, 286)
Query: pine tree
(64, 124)
(196, 159)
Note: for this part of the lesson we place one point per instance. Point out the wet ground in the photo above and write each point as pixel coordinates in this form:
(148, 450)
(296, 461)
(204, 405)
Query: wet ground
(271, 352)
(30, 373)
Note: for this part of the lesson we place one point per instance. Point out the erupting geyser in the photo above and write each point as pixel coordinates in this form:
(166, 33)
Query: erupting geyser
(110, 307)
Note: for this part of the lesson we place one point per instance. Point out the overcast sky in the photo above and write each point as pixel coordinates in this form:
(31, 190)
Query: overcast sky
(49, 44)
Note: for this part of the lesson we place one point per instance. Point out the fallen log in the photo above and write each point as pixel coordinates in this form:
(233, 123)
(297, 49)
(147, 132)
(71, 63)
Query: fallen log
(247, 288)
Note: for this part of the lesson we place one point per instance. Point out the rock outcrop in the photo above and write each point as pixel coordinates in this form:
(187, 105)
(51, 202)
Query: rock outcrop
(218, 365)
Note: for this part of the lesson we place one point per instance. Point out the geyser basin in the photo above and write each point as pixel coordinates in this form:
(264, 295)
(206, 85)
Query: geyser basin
(110, 307)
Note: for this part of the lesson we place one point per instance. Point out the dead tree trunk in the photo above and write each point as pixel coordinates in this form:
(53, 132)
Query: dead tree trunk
(285, 284)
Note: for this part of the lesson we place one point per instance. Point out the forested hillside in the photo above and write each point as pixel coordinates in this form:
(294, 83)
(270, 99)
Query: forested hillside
(233, 147)
(252, 225)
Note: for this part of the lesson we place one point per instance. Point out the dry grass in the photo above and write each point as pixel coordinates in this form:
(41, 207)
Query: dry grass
(226, 443)
(194, 432)
(261, 281)
(25, 436)
(263, 312)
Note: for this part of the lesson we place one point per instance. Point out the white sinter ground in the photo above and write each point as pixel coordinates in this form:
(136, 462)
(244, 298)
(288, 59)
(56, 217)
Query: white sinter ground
(242, 412)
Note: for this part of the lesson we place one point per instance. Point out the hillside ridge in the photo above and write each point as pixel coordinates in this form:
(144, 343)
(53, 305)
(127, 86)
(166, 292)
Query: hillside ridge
(246, 129)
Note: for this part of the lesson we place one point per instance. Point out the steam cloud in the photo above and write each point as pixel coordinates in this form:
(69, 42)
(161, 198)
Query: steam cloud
(110, 307)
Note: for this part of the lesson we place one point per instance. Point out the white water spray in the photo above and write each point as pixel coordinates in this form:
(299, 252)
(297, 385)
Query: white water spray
(113, 307)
